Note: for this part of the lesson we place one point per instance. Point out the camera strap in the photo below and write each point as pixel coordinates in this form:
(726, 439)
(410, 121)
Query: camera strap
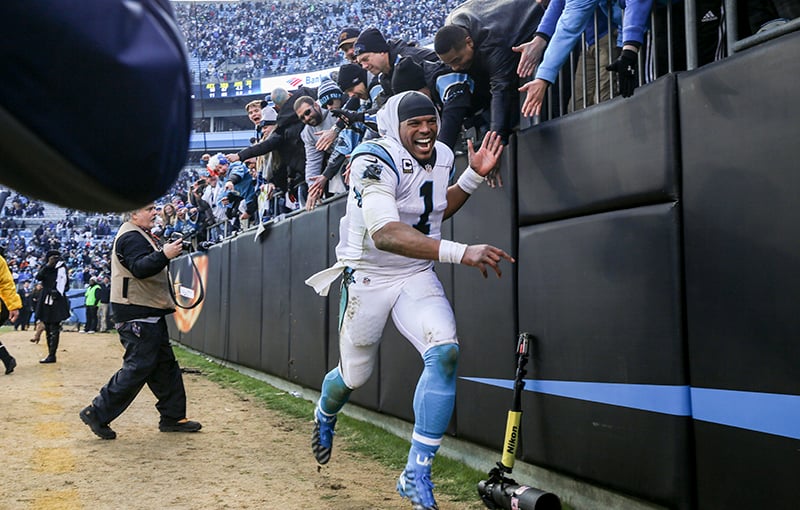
(197, 275)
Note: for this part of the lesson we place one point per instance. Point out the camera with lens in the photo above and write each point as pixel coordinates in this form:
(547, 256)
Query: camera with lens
(185, 245)
(234, 198)
(199, 187)
(205, 245)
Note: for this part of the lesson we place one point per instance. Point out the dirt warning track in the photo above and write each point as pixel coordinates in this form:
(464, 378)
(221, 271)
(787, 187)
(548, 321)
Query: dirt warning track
(246, 456)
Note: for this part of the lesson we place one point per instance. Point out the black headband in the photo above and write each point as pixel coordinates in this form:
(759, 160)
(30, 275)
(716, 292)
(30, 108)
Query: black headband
(414, 104)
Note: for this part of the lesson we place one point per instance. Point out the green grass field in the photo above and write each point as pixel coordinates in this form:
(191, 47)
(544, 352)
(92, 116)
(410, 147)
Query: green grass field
(452, 478)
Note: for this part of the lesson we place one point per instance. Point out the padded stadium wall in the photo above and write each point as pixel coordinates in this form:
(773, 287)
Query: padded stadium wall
(657, 246)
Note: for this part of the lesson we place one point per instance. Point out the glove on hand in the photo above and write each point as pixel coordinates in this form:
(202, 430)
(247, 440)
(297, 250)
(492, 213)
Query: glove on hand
(626, 68)
(348, 116)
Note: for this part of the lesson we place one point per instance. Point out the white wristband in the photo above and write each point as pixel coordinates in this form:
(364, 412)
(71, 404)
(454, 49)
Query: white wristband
(451, 252)
(469, 181)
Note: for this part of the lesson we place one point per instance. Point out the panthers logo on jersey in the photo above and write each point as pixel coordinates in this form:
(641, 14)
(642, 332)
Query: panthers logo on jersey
(373, 172)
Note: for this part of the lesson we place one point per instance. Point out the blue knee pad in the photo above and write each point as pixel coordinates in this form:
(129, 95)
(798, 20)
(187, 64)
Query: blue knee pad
(435, 396)
(334, 394)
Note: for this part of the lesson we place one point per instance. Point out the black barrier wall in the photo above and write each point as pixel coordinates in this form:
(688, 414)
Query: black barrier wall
(600, 286)
(275, 299)
(486, 309)
(244, 328)
(308, 333)
(657, 246)
(742, 219)
(601, 293)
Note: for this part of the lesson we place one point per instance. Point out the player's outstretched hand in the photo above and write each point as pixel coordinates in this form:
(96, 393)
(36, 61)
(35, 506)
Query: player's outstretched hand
(482, 255)
(488, 156)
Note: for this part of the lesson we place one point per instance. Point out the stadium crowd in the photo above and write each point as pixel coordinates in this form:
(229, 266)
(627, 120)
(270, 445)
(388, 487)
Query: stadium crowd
(284, 169)
(83, 240)
(483, 51)
(238, 40)
(21, 206)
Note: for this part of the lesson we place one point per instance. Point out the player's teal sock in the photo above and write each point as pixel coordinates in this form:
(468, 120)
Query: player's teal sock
(335, 393)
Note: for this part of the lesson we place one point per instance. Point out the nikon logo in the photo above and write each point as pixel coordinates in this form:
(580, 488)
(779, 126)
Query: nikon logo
(511, 445)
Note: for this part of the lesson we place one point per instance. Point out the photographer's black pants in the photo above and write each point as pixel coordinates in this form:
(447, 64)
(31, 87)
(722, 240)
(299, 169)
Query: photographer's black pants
(148, 360)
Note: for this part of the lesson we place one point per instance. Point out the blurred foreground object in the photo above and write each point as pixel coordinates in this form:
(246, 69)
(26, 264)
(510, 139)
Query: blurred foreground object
(95, 101)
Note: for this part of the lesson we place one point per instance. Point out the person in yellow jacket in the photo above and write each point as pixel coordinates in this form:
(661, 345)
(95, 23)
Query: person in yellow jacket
(10, 304)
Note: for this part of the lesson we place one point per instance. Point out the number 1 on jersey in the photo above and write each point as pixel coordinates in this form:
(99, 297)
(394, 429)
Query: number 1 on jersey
(426, 192)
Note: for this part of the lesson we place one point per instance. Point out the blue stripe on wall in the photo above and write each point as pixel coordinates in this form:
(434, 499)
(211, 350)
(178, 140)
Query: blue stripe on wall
(647, 397)
(769, 413)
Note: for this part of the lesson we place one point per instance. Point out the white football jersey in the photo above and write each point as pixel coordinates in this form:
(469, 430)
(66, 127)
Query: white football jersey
(385, 167)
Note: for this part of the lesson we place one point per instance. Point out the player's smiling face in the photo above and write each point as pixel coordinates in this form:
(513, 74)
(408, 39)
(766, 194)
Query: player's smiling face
(418, 136)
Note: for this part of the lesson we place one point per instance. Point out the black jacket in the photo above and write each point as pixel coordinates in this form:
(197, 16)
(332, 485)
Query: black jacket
(495, 26)
(453, 95)
(53, 306)
(36, 295)
(397, 50)
(104, 293)
(286, 140)
(27, 299)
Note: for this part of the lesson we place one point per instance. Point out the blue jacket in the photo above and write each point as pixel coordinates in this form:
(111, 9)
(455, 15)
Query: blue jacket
(547, 26)
(573, 20)
(242, 181)
(185, 227)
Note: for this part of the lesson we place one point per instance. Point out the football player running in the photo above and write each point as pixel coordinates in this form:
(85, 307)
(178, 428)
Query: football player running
(389, 238)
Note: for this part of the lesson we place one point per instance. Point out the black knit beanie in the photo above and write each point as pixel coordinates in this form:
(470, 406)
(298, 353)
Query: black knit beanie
(351, 75)
(370, 41)
(407, 75)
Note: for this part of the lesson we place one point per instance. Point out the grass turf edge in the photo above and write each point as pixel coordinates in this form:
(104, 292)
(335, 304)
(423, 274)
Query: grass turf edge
(452, 478)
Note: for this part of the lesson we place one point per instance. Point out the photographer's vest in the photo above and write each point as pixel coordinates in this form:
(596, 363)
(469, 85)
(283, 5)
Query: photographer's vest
(126, 289)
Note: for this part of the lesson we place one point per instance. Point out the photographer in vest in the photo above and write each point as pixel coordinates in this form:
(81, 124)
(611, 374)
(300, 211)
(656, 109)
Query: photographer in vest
(140, 300)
